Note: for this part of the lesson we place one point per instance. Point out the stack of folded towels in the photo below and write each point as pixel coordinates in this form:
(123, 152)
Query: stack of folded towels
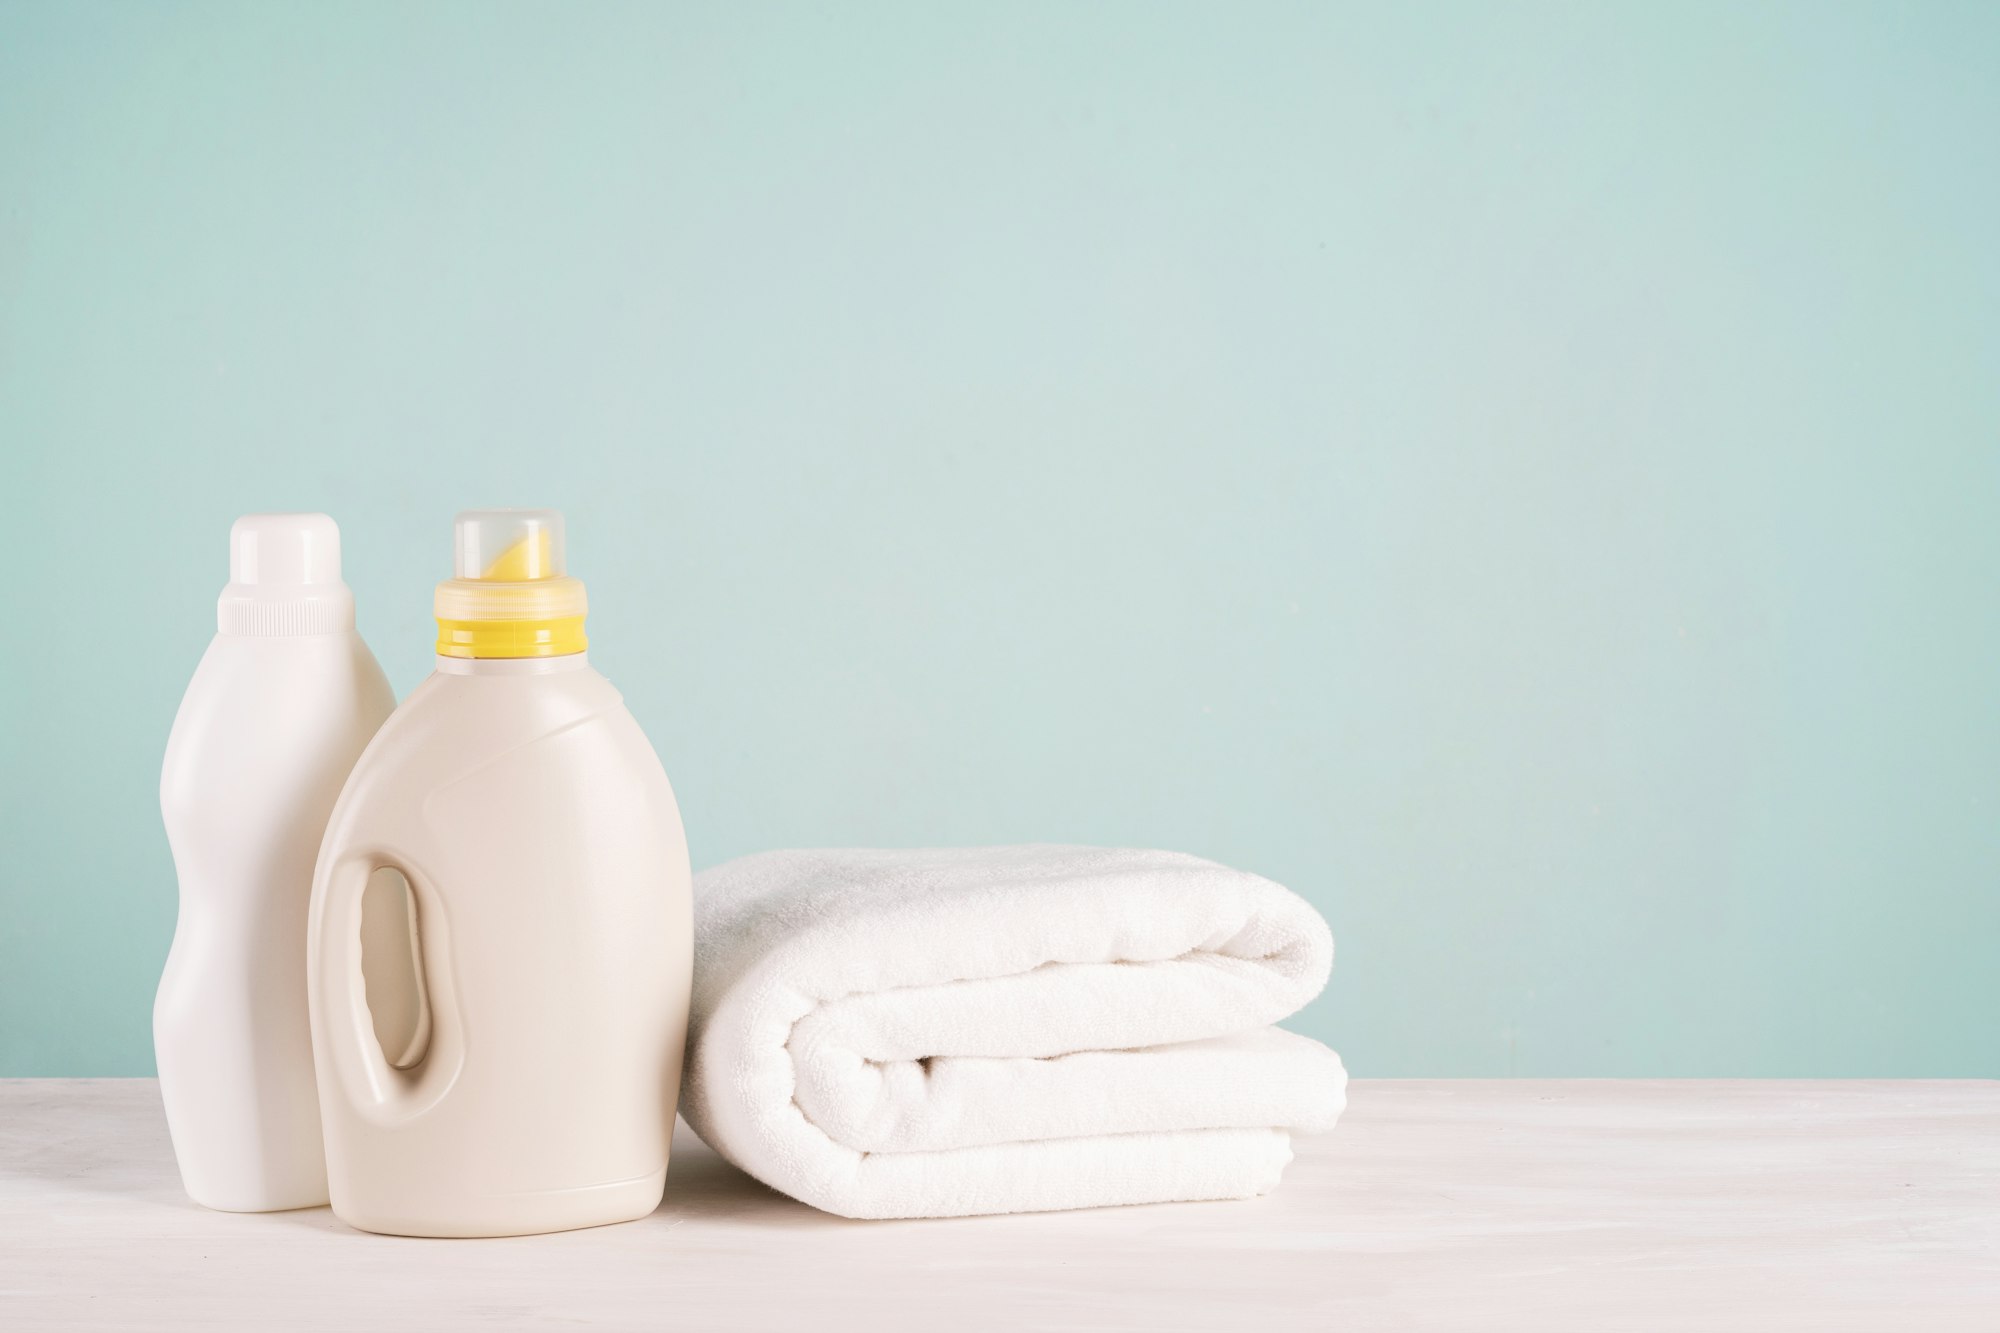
(993, 1030)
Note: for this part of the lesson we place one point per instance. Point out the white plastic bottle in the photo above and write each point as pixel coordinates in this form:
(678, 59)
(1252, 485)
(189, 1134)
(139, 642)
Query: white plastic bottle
(529, 814)
(283, 702)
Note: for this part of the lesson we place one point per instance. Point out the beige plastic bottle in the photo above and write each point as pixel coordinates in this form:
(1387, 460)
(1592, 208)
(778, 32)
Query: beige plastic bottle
(549, 871)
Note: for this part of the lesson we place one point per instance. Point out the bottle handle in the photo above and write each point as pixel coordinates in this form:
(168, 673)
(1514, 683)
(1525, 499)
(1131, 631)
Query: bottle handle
(343, 1026)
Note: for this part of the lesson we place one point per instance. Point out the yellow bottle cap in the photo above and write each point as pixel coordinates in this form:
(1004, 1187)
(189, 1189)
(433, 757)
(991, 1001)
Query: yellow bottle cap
(509, 596)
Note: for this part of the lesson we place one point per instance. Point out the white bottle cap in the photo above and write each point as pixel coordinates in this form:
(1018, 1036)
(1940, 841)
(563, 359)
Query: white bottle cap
(284, 577)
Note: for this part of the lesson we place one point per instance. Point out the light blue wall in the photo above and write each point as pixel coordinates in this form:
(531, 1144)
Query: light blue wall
(1527, 477)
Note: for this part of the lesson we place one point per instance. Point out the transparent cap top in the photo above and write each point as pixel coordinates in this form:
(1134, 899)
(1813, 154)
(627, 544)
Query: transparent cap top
(508, 545)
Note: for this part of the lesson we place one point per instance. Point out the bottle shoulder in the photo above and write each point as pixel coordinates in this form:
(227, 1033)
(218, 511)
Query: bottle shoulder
(453, 725)
(471, 763)
(232, 662)
(257, 705)
(511, 705)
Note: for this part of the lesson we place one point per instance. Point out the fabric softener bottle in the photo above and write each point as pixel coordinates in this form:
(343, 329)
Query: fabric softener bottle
(284, 700)
(549, 871)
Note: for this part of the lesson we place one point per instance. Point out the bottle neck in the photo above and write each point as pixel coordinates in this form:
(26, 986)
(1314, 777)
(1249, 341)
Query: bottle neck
(511, 666)
(249, 611)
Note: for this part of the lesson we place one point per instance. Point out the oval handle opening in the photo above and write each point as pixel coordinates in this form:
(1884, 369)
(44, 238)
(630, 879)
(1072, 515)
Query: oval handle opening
(392, 969)
(402, 1007)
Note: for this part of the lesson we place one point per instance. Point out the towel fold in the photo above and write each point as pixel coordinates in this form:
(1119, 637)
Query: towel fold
(1007, 1029)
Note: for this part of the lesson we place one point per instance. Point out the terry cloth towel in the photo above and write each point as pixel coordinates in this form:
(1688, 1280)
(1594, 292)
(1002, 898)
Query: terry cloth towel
(1003, 1029)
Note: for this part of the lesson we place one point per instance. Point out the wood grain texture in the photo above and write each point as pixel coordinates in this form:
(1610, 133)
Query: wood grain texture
(1513, 1204)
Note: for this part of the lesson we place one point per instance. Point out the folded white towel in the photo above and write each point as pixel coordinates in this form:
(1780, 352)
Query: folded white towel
(1006, 1029)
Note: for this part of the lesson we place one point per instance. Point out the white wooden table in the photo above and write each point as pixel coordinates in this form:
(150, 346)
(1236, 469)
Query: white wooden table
(1512, 1204)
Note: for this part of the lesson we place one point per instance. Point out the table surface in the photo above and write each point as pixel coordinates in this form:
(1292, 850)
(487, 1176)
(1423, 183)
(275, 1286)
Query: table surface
(1506, 1204)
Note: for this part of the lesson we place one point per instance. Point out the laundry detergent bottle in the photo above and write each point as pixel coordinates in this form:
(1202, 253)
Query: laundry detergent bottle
(549, 874)
(284, 701)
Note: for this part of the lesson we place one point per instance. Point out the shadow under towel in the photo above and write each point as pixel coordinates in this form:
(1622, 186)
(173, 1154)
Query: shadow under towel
(939, 1033)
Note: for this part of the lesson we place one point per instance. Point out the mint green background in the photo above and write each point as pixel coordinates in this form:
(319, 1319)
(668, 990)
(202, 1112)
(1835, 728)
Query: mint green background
(1527, 477)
